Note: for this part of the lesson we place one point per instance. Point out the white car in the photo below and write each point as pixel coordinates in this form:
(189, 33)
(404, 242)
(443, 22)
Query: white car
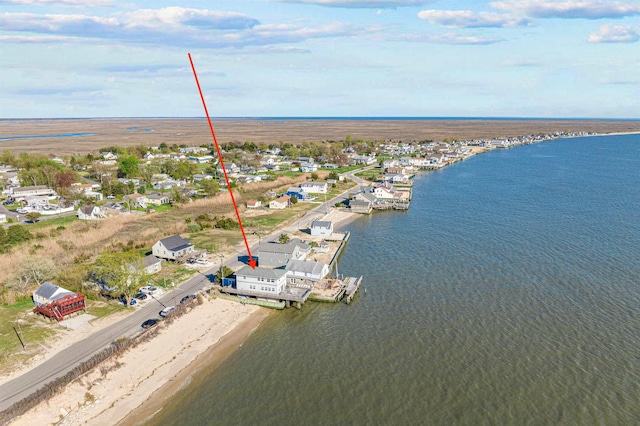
(148, 289)
(202, 261)
(169, 310)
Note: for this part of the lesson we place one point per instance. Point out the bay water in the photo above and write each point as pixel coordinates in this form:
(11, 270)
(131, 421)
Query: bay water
(509, 293)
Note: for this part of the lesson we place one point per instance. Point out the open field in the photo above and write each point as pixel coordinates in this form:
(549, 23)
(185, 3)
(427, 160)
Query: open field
(193, 131)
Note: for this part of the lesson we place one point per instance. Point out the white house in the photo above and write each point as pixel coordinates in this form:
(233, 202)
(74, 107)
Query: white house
(157, 199)
(280, 203)
(172, 248)
(321, 228)
(266, 281)
(152, 264)
(90, 212)
(384, 192)
(306, 270)
(48, 292)
(314, 187)
(254, 204)
(308, 167)
(21, 193)
(3, 218)
(136, 200)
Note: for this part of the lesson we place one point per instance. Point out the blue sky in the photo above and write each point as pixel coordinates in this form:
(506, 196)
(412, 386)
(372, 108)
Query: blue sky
(509, 58)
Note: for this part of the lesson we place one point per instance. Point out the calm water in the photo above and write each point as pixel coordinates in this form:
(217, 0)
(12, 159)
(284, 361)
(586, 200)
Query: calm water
(508, 294)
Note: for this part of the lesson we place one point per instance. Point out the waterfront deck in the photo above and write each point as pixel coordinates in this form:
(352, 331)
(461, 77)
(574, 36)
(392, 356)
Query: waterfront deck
(353, 285)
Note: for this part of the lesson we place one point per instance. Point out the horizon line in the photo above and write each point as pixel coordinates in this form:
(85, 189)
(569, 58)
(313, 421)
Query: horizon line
(337, 117)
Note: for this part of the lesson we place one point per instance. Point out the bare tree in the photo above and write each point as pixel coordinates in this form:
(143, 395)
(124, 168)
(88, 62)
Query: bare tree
(32, 270)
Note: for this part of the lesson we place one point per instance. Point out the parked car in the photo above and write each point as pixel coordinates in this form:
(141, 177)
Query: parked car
(111, 197)
(202, 261)
(141, 296)
(150, 323)
(148, 289)
(168, 311)
(187, 298)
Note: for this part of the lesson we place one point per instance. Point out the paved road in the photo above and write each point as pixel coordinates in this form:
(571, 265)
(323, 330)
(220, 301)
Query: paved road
(61, 363)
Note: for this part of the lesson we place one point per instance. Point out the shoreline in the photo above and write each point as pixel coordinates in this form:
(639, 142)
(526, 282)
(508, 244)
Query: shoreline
(114, 391)
(129, 407)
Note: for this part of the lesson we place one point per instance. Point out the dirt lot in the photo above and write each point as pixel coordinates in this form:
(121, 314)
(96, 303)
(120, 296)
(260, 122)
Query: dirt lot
(191, 131)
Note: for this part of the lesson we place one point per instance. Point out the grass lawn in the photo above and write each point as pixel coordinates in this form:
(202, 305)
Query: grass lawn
(371, 174)
(53, 223)
(33, 329)
(163, 208)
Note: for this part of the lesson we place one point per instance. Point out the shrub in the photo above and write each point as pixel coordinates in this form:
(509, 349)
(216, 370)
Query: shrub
(194, 227)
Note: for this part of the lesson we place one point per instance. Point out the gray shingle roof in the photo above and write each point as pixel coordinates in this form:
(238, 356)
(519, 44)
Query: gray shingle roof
(261, 272)
(321, 224)
(151, 260)
(310, 266)
(175, 243)
(48, 289)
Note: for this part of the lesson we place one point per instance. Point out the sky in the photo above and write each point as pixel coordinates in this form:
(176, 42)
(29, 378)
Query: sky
(320, 58)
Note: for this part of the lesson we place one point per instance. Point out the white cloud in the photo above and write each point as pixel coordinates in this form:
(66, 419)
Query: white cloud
(171, 26)
(615, 34)
(470, 19)
(585, 9)
(448, 38)
(82, 3)
(364, 4)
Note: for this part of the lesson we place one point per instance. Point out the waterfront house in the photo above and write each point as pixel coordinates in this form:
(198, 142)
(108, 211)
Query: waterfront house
(360, 206)
(314, 187)
(321, 228)
(152, 264)
(299, 271)
(280, 203)
(172, 248)
(394, 178)
(274, 255)
(265, 281)
(384, 192)
(48, 292)
(90, 212)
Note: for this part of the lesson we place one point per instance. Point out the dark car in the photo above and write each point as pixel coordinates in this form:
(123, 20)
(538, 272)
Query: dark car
(187, 298)
(150, 323)
(141, 296)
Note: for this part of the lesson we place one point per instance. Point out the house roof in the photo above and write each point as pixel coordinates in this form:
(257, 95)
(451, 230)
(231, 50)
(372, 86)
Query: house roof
(47, 290)
(156, 196)
(307, 266)
(283, 199)
(284, 248)
(151, 260)
(261, 272)
(175, 243)
(29, 188)
(322, 224)
(312, 184)
(88, 209)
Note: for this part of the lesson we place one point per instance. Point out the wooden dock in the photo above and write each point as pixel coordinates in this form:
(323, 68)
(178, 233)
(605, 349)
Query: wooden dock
(353, 286)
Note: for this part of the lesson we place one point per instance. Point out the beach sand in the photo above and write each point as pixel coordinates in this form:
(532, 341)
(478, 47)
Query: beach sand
(156, 368)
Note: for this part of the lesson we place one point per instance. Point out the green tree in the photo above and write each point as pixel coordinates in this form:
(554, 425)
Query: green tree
(294, 200)
(314, 176)
(210, 187)
(33, 216)
(334, 176)
(128, 166)
(122, 272)
(284, 238)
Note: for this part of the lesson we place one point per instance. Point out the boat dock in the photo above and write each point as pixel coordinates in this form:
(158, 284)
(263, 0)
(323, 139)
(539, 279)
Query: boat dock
(353, 285)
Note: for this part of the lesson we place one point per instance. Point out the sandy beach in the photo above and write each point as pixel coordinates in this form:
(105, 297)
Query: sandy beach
(107, 394)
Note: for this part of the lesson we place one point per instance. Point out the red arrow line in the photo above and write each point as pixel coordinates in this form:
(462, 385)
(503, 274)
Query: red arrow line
(252, 261)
